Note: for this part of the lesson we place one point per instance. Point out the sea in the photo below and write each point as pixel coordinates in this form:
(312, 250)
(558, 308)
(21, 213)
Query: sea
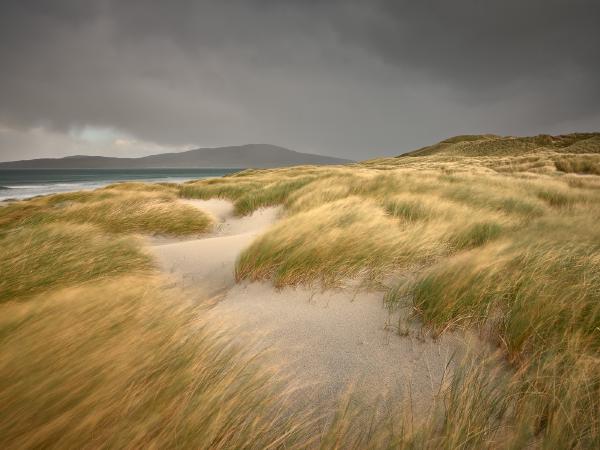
(17, 184)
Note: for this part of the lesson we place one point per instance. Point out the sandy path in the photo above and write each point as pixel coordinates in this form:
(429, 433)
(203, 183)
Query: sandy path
(324, 340)
(207, 264)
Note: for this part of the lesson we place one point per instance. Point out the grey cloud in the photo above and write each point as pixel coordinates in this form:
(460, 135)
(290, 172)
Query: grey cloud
(345, 78)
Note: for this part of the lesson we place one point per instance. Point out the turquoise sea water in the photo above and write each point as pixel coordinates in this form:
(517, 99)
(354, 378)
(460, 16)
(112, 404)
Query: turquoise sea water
(26, 183)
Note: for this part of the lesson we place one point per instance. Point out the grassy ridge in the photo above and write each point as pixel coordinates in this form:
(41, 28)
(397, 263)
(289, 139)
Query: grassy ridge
(489, 144)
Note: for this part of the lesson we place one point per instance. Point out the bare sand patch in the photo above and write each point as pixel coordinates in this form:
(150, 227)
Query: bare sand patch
(329, 340)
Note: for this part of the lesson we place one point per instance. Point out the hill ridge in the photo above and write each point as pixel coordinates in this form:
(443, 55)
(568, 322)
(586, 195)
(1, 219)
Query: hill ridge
(237, 156)
(493, 145)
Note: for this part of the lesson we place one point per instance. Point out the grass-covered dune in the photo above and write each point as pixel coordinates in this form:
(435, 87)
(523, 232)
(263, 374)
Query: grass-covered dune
(126, 363)
(125, 207)
(493, 234)
(97, 352)
(489, 144)
(496, 234)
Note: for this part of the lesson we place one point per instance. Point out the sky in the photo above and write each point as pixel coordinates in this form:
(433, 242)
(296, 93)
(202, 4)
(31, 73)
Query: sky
(354, 79)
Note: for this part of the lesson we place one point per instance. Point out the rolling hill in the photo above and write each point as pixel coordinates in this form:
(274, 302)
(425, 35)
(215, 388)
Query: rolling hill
(242, 156)
(492, 145)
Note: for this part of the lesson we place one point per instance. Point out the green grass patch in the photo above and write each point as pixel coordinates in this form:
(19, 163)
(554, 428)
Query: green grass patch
(249, 191)
(589, 165)
(410, 210)
(476, 235)
(557, 198)
(269, 195)
(217, 188)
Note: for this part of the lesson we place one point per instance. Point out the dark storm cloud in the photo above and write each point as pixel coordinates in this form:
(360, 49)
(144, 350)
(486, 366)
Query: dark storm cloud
(483, 43)
(347, 78)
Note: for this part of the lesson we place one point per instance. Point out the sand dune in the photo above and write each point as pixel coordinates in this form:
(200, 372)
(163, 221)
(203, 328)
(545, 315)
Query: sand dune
(325, 341)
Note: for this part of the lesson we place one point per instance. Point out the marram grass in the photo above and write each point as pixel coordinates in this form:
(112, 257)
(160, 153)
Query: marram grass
(126, 363)
(43, 257)
(137, 208)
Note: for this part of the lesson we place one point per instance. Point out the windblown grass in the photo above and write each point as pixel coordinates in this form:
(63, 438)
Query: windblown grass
(127, 363)
(44, 257)
(374, 223)
(581, 164)
(545, 289)
(132, 207)
(251, 190)
(536, 294)
(124, 363)
(485, 406)
(356, 221)
(314, 245)
(102, 355)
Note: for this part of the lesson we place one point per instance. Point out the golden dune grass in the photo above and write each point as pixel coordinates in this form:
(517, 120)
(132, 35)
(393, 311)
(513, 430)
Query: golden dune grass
(584, 164)
(125, 363)
(132, 207)
(44, 257)
(102, 355)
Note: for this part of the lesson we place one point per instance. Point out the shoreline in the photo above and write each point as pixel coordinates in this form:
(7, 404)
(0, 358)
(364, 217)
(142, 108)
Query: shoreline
(23, 184)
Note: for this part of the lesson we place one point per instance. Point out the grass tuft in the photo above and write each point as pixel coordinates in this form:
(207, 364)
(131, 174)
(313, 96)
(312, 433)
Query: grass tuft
(476, 235)
(410, 210)
(579, 164)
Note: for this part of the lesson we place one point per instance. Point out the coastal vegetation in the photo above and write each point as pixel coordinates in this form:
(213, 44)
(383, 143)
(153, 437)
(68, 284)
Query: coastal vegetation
(127, 363)
(43, 257)
(482, 234)
(126, 207)
(98, 351)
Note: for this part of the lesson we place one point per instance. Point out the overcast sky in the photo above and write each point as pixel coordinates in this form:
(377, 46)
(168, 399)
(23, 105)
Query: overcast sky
(353, 79)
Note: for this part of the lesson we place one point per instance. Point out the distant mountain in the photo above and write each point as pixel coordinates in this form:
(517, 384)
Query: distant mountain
(239, 157)
(492, 145)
